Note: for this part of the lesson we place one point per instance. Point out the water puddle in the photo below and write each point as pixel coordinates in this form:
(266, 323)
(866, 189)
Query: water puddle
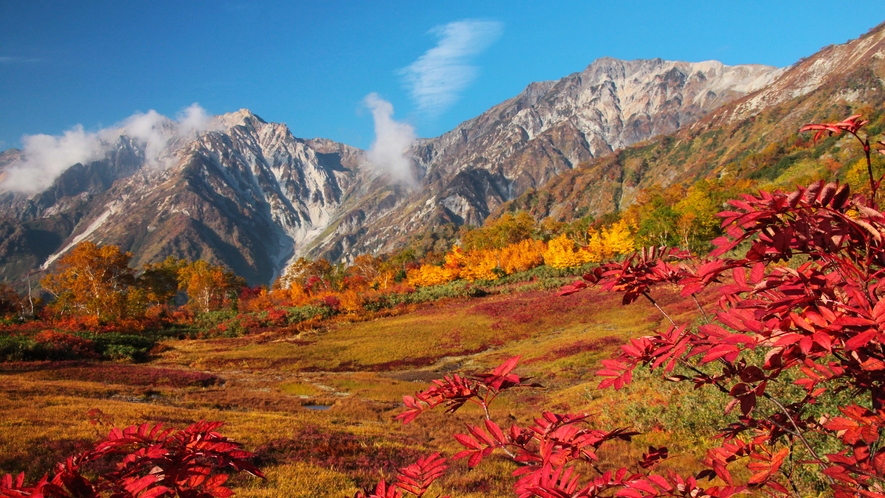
(317, 407)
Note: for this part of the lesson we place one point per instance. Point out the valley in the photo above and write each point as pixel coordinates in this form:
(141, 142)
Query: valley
(318, 407)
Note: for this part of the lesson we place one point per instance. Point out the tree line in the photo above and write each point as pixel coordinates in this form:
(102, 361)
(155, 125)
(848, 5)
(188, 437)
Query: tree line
(97, 284)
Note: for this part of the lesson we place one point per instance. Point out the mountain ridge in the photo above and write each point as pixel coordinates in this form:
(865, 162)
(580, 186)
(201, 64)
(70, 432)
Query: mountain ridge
(252, 196)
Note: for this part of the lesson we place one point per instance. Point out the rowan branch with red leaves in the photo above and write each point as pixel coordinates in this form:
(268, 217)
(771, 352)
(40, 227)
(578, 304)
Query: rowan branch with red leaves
(153, 463)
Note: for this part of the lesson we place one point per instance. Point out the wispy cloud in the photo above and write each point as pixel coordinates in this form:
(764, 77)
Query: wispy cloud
(389, 153)
(437, 78)
(46, 157)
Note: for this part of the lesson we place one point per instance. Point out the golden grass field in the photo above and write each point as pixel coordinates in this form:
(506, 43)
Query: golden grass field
(265, 386)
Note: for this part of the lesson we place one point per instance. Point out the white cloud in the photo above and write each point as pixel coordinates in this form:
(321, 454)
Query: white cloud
(437, 78)
(389, 152)
(46, 157)
(194, 119)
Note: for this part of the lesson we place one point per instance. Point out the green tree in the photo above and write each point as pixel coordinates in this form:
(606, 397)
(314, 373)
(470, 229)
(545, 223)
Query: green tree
(158, 282)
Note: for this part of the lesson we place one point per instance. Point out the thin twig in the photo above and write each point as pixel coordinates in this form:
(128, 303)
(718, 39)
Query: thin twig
(706, 319)
(485, 408)
(799, 434)
(647, 296)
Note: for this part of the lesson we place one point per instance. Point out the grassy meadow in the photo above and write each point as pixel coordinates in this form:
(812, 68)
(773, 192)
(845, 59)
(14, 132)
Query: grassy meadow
(317, 406)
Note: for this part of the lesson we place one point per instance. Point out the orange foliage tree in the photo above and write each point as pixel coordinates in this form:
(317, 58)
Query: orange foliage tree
(92, 281)
(209, 287)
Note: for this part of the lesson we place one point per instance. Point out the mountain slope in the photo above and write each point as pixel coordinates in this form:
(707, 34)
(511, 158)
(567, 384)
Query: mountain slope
(549, 128)
(747, 138)
(243, 195)
(250, 195)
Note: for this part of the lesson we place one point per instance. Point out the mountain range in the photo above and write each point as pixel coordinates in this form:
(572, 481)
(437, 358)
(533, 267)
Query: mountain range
(251, 195)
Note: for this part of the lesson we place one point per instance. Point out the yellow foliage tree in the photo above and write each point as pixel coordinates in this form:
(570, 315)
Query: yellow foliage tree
(611, 241)
(480, 265)
(427, 275)
(522, 256)
(499, 233)
(384, 279)
(92, 280)
(562, 252)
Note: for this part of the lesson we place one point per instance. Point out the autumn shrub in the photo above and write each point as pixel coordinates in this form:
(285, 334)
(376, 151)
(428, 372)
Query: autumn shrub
(276, 317)
(211, 319)
(19, 348)
(352, 301)
(120, 347)
(300, 314)
(146, 461)
(61, 345)
(53, 345)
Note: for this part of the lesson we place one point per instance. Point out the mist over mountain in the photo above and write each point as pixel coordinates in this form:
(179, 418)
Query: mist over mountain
(236, 190)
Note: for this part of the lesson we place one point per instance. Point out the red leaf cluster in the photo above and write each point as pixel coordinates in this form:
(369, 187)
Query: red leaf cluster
(152, 462)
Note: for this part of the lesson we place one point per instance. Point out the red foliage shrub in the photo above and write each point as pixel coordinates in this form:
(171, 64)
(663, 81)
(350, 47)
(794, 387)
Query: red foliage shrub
(332, 302)
(183, 315)
(77, 323)
(818, 324)
(150, 463)
(277, 317)
(67, 343)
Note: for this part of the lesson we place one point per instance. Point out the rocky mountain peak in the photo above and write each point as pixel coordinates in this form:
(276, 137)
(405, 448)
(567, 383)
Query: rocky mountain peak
(243, 117)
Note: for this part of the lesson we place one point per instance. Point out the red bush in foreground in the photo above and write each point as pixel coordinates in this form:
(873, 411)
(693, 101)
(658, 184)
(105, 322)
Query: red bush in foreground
(784, 341)
(150, 462)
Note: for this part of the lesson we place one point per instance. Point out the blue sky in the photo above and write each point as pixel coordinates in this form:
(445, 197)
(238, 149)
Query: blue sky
(312, 64)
